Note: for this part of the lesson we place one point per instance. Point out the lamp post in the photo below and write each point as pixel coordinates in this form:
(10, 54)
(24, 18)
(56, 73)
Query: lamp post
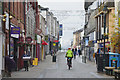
(105, 12)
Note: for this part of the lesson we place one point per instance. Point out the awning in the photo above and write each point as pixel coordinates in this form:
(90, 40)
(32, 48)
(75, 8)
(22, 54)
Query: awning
(44, 43)
(56, 41)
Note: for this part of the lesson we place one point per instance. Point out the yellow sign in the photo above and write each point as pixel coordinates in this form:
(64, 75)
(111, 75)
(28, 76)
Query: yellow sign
(54, 44)
(35, 61)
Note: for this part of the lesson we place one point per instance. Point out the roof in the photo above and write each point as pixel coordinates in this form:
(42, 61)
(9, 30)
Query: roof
(88, 3)
(78, 31)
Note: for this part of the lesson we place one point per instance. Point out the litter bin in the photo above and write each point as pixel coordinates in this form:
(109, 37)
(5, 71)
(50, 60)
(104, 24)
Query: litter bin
(100, 62)
(54, 58)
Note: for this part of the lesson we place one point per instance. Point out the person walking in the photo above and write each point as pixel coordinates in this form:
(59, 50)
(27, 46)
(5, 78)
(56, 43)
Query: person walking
(73, 50)
(79, 52)
(9, 65)
(75, 53)
(25, 61)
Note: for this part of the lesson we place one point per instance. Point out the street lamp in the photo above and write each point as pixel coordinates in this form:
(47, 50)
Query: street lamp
(105, 10)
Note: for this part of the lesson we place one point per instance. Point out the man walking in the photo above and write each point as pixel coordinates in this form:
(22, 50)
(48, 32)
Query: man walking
(79, 52)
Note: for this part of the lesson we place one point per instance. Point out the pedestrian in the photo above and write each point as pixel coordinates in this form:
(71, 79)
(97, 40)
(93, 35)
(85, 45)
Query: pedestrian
(73, 50)
(25, 61)
(96, 55)
(51, 52)
(75, 53)
(79, 52)
(9, 65)
(101, 51)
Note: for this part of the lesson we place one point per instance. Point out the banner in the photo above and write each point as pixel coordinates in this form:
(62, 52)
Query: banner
(60, 30)
(15, 30)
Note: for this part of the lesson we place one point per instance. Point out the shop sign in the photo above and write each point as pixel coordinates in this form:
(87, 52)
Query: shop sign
(54, 44)
(60, 30)
(91, 43)
(11, 47)
(15, 30)
(28, 39)
(38, 31)
(38, 39)
(46, 38)
(56, 41)
(102, 44)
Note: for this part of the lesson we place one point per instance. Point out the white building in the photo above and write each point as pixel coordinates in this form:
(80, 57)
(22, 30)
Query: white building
(30, 25)
(2, 47)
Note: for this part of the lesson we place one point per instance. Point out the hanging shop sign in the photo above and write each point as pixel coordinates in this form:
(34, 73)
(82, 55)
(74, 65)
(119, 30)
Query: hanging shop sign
(38, 31)
(15, 30)
(11, 47)
(38, 39)
(46, 38)
(54, 44)
(56, 41)
(60, 30)
(91, 43)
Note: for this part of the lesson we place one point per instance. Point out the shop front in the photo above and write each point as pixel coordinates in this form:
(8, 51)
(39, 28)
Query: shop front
(38, 47)
(14, 48)
(101, 47)
(43, 49)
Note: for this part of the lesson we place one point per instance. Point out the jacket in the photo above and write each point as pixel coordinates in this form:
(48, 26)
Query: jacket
(69, 53)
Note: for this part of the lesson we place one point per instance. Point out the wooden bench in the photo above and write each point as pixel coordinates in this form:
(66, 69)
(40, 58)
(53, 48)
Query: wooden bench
(117, 73)
(109, 70)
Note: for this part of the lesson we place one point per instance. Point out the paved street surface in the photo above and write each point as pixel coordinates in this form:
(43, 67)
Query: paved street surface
(49, 69)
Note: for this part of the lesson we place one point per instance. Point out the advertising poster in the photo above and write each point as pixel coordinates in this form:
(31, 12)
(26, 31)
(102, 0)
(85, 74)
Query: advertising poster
(61, 30)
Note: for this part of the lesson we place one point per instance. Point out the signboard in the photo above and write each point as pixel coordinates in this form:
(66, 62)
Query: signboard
(38, 31)
(38, 39)
(46, 38)
(86, 41)
(54, 44)
(60, 30)
(15, 30)
(7, 21)
(91, 43)
(11, 47)
(56, 41)
(101, 45)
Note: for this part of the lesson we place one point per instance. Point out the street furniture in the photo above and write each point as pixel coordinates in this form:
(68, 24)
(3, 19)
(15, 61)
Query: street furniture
(109, 70)
(35, 61)
(114, 57)
(99, 60)
(117, 73)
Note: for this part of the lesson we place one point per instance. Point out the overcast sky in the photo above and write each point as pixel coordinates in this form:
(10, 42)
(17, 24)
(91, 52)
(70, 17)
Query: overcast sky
(70, 13)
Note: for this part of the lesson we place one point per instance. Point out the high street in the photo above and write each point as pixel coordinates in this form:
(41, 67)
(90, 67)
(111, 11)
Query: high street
(49, 69)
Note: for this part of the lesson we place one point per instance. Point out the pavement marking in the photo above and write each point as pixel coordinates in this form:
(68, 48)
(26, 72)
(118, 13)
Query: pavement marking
(96, 75)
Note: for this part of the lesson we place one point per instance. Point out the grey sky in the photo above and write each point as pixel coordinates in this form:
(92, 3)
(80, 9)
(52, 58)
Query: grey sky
(70, 13)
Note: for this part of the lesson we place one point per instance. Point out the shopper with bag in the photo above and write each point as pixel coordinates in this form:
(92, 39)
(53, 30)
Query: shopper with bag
(26, 60)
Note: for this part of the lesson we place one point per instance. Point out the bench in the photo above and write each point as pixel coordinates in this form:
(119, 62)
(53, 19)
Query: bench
(117, 73)
(109, 70)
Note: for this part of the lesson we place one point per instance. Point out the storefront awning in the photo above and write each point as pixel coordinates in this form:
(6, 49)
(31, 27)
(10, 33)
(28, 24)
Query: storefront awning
(44, 43)
(56, 41)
